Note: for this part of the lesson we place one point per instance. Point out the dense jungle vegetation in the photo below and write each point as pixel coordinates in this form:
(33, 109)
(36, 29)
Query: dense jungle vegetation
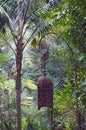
(42, 37)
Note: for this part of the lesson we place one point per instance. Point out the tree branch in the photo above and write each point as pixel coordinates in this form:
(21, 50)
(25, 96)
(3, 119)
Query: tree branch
(59, 36)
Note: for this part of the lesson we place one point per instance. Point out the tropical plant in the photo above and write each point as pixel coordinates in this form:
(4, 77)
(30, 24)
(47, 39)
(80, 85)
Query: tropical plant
(24, 19)
(23, 22)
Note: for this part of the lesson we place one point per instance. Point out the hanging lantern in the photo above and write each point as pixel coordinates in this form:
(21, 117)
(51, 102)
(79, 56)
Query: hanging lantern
(45, 92)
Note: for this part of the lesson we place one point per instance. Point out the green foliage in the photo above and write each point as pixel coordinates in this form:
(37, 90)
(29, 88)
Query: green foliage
(40, 124)
(66, 68)
(70, 15)
(30, 84)
(3, 57)
(8, 85)
(24, 122)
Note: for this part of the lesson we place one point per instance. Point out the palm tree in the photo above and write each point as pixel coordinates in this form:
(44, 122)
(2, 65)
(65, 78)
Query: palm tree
(25, 16)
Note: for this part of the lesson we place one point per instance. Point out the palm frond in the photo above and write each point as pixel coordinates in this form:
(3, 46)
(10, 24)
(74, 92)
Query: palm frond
(4, 19)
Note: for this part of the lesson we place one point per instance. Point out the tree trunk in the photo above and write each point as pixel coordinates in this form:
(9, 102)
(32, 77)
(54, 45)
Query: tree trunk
(78, 116)
(78, 120)
(18, 101)
(18, 80)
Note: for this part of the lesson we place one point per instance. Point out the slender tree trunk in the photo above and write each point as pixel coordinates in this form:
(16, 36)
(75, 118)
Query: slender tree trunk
(18, 101)
(19, 57)
(78, 117)
(78, 113)
(18, 80)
